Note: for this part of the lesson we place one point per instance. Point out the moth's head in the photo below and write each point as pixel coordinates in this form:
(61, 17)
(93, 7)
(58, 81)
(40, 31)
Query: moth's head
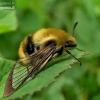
(71, 42)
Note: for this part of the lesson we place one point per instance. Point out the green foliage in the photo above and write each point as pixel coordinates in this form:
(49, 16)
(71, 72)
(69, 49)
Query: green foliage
(8, 21)
(78, 83)
(43, 79)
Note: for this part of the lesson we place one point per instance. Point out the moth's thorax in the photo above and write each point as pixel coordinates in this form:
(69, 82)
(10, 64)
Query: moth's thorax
(44, 35)
(43, 38)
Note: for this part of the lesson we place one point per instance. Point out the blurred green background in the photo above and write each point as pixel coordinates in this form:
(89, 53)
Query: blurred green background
(78, 83)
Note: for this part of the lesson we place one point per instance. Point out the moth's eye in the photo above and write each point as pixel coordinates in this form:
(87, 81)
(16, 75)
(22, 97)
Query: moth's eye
(70, 44)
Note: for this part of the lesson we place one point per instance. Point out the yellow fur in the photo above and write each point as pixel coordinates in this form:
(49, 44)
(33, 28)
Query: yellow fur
(43, 36)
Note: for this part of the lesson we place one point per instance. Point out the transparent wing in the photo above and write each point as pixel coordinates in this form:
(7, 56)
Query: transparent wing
(20, 73)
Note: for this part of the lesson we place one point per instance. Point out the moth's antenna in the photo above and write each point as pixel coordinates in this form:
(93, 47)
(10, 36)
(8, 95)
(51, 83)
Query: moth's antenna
(74, 28)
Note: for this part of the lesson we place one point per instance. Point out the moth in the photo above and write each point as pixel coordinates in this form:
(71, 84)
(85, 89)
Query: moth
(35, 51)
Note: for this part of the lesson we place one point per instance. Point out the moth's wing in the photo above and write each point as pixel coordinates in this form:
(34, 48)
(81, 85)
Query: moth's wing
(21, 74)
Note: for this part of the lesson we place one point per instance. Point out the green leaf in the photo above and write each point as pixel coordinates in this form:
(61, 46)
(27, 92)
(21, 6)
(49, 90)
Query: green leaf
(43, 79)
(5, 66)
(8, 21)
